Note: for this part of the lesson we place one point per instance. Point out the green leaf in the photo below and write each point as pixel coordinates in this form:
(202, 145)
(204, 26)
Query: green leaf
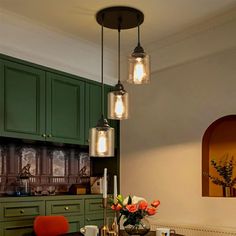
(129, 200)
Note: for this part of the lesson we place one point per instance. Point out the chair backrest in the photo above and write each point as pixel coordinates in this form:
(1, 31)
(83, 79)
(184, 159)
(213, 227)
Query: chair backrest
(50, 225)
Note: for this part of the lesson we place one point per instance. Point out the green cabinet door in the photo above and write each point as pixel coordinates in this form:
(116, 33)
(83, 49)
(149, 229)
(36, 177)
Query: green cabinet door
(65, 109)
(22, 101)
(92, 107)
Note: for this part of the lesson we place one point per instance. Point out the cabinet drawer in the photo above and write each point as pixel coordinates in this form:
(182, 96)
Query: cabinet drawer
(19, 228)
(75, 223)
(21, 210)
(96, 219)
(65, 207)
(93, 205)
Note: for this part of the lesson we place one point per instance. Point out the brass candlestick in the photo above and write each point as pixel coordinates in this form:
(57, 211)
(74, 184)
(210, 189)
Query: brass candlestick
(104, 229)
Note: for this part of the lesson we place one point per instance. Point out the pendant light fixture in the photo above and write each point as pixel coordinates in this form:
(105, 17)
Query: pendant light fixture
(139, 65)
(118, 100)
(102, 136)
(119, 18)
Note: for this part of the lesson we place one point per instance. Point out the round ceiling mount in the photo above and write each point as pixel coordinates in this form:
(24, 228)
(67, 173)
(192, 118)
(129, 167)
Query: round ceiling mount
(120, 17)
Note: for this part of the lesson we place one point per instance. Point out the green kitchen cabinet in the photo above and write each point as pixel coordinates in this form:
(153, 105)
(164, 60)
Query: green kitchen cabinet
(38, 105)
(22, 101)
(64, 109)
(17, 214)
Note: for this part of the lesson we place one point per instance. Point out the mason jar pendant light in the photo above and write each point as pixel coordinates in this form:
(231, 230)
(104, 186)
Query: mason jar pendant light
(139, 65)
(119, 18)
(102, 136)
(118, 100)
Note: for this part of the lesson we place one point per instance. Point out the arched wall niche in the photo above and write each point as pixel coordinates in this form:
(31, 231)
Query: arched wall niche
(218, 143)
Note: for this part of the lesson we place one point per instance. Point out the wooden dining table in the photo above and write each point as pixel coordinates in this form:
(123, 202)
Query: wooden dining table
(122, 233)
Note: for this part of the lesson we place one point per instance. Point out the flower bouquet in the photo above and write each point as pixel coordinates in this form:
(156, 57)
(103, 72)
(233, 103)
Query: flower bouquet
(134, 210)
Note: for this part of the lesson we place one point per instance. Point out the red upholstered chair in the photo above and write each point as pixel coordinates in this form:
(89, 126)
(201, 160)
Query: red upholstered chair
(50, 225)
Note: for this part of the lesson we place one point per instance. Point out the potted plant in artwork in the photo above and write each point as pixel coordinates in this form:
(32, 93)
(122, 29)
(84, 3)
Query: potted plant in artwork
(134, 211)
(226, 179)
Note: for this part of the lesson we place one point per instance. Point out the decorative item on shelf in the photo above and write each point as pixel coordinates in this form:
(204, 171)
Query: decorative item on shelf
(96, 185)
(77, 189)
(101, 137)
(134, 210)
(226, 178)
(24, 181)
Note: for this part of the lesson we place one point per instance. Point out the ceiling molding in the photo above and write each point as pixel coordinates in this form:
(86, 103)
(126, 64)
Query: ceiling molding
(31, 42)
(216, 35)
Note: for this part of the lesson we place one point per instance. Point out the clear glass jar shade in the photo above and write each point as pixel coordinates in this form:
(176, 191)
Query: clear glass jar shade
(101, 142)
(139, 69)
(118, 105)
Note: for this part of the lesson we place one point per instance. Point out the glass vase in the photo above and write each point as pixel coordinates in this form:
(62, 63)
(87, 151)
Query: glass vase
(141, 227)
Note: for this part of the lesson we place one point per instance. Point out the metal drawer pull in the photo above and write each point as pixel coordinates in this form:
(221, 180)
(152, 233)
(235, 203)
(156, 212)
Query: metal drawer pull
(66, 208)
(88, 219)
(22, 211)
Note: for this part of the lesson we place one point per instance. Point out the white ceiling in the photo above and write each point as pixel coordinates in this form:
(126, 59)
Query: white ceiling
(163, 18)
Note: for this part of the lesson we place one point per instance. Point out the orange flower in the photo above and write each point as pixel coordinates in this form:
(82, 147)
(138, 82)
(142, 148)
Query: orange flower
(143, 205)
(151, 211)
(132, 208)
(116, 207)
(155, 203)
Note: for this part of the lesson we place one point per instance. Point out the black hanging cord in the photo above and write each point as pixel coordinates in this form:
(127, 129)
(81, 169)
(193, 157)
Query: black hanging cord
(102, 87)
(138, 35)
(138, 20)
(119, 27)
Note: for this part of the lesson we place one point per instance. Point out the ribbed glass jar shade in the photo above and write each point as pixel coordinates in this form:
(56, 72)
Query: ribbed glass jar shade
(118, 105)
(101, 142)
(139, 68)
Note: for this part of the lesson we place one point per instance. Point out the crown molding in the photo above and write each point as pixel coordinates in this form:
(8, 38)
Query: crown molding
(214, 35)
(24, 39)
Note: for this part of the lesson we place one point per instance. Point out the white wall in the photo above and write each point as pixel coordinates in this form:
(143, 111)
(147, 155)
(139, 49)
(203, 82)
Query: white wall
(161, 142)
(22, 38)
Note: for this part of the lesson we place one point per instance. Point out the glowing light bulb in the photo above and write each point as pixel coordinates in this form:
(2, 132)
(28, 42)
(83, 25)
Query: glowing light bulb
(139, 71)
(119, 106)
(102, 142)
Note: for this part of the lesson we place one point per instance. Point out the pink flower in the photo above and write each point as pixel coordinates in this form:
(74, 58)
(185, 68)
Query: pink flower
(151, 211)
(143, 205)
(132, 208)
(155, 203)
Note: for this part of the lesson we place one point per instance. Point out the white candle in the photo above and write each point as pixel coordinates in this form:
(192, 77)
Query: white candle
(115, 188)
(105, 183)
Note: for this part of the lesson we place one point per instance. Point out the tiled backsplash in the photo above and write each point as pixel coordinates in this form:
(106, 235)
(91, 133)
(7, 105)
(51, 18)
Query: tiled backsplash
(50, 165)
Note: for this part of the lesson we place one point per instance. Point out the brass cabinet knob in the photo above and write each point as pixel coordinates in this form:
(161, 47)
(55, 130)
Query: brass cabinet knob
(22, 211)
(66, 208)
(88, 219)
(49, 135)
(44, 135)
